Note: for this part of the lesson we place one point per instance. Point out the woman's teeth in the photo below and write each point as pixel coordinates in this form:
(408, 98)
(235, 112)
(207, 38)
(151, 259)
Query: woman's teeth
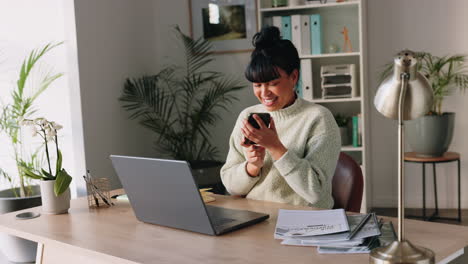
(269, 101)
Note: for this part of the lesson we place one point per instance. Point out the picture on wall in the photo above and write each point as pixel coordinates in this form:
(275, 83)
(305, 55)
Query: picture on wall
(228, 24)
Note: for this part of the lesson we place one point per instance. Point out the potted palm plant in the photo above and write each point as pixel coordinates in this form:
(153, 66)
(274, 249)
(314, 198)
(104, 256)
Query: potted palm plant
(180, 104)
(23, 194)
(432, 134)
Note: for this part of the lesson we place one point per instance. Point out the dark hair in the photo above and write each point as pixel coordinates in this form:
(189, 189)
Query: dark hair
(271, 52)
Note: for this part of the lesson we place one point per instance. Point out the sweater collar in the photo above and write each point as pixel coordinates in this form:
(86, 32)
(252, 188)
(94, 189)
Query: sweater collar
(287, 112)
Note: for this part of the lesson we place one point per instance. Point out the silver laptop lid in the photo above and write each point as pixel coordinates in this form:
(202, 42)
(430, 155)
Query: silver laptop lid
(163, 192)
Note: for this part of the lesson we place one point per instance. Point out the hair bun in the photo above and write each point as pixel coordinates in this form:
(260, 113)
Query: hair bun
(267, 37)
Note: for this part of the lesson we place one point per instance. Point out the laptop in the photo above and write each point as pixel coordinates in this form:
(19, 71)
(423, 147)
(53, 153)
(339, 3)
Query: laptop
(164, 192)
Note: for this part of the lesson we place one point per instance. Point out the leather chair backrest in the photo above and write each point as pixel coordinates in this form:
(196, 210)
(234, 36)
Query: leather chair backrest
(347, 184)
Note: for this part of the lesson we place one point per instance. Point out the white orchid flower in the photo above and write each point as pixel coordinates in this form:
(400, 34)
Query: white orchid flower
(40, 121)
(33, 130)
(56, 126)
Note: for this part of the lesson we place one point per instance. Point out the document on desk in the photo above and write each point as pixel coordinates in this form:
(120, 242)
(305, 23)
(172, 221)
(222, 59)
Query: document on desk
(299, 223)
(370, 229)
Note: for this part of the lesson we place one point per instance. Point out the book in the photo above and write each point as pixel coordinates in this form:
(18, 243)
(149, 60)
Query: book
(357, 130)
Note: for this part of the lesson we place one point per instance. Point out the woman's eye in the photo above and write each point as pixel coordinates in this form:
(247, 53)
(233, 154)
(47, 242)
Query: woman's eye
(274, 84)
(256, 85)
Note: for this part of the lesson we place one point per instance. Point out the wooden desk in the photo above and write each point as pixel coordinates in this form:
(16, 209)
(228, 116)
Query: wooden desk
(114, 235)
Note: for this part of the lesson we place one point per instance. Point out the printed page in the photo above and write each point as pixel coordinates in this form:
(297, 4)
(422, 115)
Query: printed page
(298, 223)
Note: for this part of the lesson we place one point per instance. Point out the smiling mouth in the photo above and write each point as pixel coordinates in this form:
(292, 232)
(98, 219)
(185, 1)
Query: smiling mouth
(269, 101)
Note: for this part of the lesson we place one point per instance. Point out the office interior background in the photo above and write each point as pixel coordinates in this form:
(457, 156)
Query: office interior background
(107, 41)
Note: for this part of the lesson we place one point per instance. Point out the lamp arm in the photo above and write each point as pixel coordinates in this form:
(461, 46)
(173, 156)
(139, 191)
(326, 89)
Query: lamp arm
(404, 77)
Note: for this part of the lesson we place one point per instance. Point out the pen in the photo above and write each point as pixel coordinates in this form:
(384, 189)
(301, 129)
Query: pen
(359, 226)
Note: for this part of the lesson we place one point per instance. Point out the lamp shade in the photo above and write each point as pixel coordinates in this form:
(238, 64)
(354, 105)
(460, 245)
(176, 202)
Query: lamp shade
(419, 97)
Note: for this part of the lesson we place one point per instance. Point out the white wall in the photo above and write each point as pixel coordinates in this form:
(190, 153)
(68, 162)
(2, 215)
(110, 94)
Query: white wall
(424, 25)
(115, 40)
(27, 25)
(170, 13)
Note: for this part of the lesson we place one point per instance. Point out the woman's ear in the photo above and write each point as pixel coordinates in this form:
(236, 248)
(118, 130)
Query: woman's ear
(295, 76)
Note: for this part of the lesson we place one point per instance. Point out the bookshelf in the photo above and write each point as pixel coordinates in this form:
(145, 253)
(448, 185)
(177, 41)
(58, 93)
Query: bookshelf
(334, 17)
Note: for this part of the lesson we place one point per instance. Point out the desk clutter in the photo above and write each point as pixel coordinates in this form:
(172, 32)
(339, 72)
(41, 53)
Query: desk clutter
(98, 191)
(332, 231)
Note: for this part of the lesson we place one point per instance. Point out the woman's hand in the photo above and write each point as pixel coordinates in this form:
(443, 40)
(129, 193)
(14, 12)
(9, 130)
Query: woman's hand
(266, 137)
(255, 158)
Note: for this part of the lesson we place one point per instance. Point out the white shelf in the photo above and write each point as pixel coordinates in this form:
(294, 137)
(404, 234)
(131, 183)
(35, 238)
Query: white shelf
(351, 148)
(330, 55)
(337, 100)
(309, 6)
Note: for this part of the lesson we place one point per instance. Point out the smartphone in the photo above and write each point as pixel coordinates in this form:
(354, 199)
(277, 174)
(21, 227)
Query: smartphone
(266, 120)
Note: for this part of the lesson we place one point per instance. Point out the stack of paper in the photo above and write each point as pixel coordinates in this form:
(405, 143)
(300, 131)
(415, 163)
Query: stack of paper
(387, 236)
(329, 230)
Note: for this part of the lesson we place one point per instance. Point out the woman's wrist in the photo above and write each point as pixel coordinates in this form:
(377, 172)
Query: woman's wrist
(252, 170)
(277, 151)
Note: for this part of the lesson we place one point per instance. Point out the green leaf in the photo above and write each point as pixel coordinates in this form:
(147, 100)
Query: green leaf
(28, 173)
(59, 162)
(47, 175)
(62, 182)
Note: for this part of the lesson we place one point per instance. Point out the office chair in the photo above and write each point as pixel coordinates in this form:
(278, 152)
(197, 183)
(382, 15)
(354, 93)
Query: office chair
(347, 184)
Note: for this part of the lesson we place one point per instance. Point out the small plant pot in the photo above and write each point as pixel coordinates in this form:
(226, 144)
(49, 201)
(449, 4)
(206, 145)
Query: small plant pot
(52, 204)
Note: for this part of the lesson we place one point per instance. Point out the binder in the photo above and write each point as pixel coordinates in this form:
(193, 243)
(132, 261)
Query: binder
(305, 35)
(316, 33)
(277, 22)
(286, 27)
(307, 88)
(296, 32)
(298, 87)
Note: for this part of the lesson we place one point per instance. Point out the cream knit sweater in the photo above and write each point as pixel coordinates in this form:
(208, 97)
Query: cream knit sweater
(302, 176)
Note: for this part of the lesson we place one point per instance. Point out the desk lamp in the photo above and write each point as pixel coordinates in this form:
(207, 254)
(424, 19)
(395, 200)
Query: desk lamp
(405, 95)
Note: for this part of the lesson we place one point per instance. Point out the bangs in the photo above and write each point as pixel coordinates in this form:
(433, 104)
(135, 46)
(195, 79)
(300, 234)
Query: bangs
(261, 70)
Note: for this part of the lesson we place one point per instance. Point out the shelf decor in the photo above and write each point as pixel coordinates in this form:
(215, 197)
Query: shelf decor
(228, 24)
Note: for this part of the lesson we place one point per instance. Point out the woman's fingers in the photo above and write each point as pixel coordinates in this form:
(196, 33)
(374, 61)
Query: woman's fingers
(248, 134)
(272, 124)
(259, 121)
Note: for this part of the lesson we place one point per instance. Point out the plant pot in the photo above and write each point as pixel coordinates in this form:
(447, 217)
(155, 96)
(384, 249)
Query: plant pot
(344, 136)
(207, 174)
(52, 204)
(431, 135)
(14, 248)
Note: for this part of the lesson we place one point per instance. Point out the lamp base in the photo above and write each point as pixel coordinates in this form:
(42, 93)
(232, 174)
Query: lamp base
(401, 252)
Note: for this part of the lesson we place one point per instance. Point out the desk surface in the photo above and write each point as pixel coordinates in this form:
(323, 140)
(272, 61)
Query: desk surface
(116, 235)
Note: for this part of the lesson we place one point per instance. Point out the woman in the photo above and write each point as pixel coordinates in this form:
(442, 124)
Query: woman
(295, 157)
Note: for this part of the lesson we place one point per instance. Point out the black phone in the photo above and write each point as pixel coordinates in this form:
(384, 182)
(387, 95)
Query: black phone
(265, 117)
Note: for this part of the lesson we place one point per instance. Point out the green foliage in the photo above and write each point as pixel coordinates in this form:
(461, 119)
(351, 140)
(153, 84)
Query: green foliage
(181, 104)
(22, 106)
(341, 120)
(444, 74)
(62, 182)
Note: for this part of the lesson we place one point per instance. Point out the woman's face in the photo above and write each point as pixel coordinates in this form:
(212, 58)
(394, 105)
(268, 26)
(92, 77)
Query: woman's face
(279, 93)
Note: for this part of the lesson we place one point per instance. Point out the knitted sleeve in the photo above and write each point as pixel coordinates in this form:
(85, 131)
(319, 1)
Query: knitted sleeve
(233, 174)
(310, 176)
